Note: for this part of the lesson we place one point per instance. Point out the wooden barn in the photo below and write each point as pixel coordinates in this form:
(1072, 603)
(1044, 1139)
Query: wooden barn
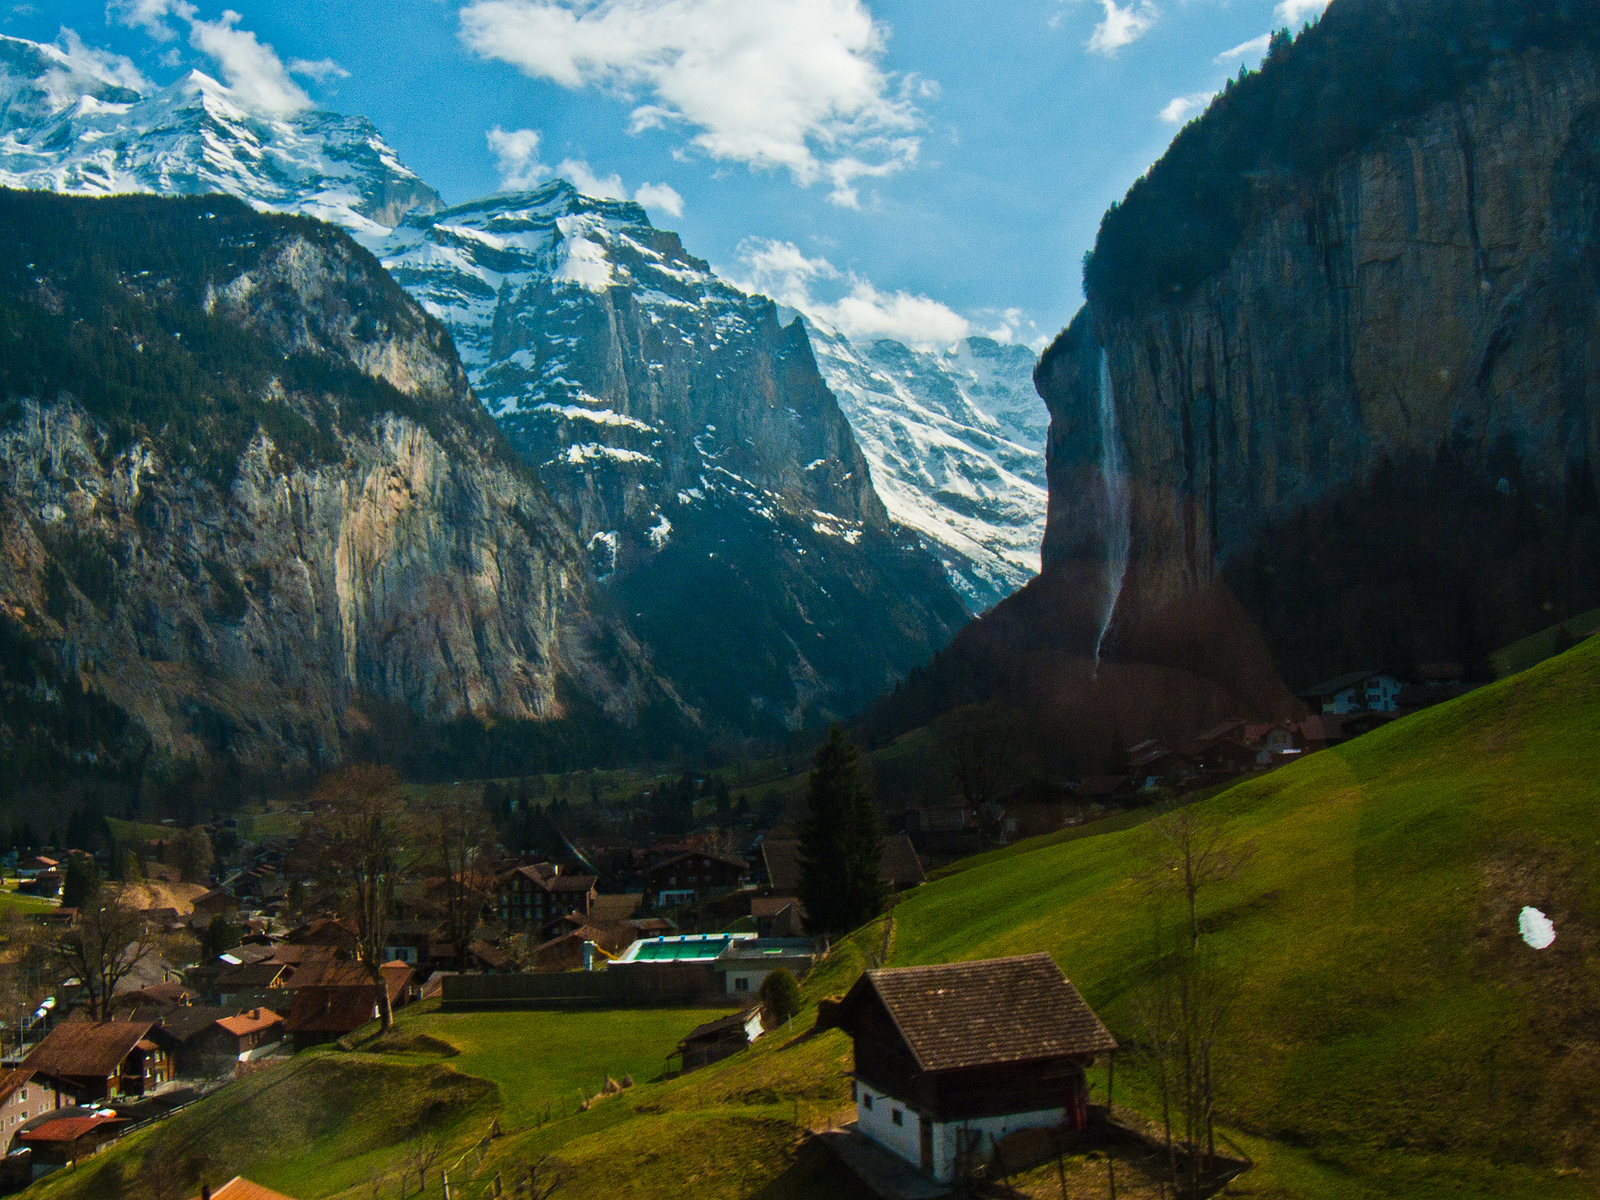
(950, 1059)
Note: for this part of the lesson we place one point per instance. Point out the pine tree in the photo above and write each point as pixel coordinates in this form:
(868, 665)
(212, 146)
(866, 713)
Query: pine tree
(840, 849)
(83, 881)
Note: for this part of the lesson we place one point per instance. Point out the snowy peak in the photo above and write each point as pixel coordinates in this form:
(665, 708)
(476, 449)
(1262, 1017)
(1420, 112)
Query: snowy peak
(86, 124)
(955, 440)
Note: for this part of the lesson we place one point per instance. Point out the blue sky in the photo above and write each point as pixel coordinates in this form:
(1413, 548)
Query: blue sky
(915, 168)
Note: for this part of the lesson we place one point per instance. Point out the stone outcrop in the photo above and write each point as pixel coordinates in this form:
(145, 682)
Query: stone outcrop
(412, 558)
(1437, 288)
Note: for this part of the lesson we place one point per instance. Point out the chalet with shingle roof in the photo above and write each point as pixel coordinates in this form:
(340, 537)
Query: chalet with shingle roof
(951, 1059)
(529, 898)
(100, 1060)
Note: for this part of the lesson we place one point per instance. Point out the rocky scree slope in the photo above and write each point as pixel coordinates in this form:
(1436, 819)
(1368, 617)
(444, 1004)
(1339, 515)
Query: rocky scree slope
(68, 123)
(245, 485)
(687, 433)
(1352, 376)
(955, 440)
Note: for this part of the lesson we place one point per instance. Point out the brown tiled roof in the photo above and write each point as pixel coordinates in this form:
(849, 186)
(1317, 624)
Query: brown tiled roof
(901, 866)
(251, 975)
(171, 993)
(615, 908)
(86, 1049)
(770, 906)
(182, 1024)
(726, 859)
(713, 1030)
(68, 1129)
(253, 1021)
(995, 1011)
(10, 1081)
(332, 1009)
(489, 956)
(240, 1188)
(329, 972)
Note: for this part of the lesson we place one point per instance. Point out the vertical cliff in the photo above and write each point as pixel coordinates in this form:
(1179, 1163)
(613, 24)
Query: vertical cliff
(689, 436)
(1411, 332)
(245, 484)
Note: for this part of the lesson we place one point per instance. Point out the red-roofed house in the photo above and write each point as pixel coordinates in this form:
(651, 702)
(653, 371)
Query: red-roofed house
(951, 1059)
(251, 1034)
(240, 1188)
(65, 1140)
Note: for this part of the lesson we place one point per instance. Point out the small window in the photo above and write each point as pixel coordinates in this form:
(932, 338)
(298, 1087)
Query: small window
(741, 983)
(897, 1117)
(23, 1094)
(866, 1101)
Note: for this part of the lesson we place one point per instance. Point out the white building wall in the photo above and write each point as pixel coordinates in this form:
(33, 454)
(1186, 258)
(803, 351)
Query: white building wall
(752, 980)
(947, 1137)
(878, 1124)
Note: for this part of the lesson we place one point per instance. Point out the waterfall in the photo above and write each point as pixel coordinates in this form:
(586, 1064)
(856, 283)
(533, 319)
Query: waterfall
(1118, 522)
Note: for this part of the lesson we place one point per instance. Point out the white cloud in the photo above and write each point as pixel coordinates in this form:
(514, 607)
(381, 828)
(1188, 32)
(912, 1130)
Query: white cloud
(322, 69)
(1122, 26)
(1183, 107)
(248, 66)
(1294, 12)
(582, 177)
(781, 270)
(776, 84)
(1250, 49)
(516, 154)
(149, 15)
(660, 196)
(85, 64)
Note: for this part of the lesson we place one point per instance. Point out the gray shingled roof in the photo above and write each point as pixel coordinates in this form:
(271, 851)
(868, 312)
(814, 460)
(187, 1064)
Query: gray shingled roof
(994, 1011)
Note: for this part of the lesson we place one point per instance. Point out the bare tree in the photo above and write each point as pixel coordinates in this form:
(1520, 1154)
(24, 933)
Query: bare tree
(358, 841)
(1192, 852)
(422, 1156)
(1185, 1012)
(461, 842)
(103, 946)
(538, 1179)
(979, 741)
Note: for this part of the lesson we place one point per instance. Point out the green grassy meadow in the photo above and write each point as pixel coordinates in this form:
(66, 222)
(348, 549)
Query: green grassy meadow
(1392, 1035)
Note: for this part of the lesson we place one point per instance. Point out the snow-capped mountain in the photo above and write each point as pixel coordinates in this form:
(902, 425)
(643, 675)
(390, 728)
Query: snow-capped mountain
(687, 432)
(955, 440)
(69, 123)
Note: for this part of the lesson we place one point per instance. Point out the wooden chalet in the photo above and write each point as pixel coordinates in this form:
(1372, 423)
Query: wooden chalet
(529, 898)
(65, 1140)
(697, 875)
(94, 1061)
(951, 1059)
(716, 1040)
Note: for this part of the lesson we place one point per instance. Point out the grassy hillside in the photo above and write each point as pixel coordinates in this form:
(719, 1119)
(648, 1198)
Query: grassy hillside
(1393, 1035)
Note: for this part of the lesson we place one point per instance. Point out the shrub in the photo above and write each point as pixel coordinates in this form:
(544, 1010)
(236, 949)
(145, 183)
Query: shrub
(780, 995)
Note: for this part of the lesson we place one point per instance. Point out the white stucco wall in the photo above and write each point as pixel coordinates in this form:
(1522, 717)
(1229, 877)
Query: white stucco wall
(878, 1124)
(752, 980)
(946, 1137)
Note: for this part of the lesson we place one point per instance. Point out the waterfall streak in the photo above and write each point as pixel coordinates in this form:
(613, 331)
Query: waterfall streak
(1118, 520)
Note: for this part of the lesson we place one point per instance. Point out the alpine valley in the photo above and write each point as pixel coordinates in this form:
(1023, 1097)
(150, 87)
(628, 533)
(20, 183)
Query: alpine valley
(786, 521)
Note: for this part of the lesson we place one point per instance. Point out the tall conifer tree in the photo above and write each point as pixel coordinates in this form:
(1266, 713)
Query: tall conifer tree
(840, 850)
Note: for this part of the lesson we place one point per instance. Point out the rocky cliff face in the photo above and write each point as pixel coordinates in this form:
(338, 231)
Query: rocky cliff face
(687, 433)
(1432, 296)
(245, 483)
